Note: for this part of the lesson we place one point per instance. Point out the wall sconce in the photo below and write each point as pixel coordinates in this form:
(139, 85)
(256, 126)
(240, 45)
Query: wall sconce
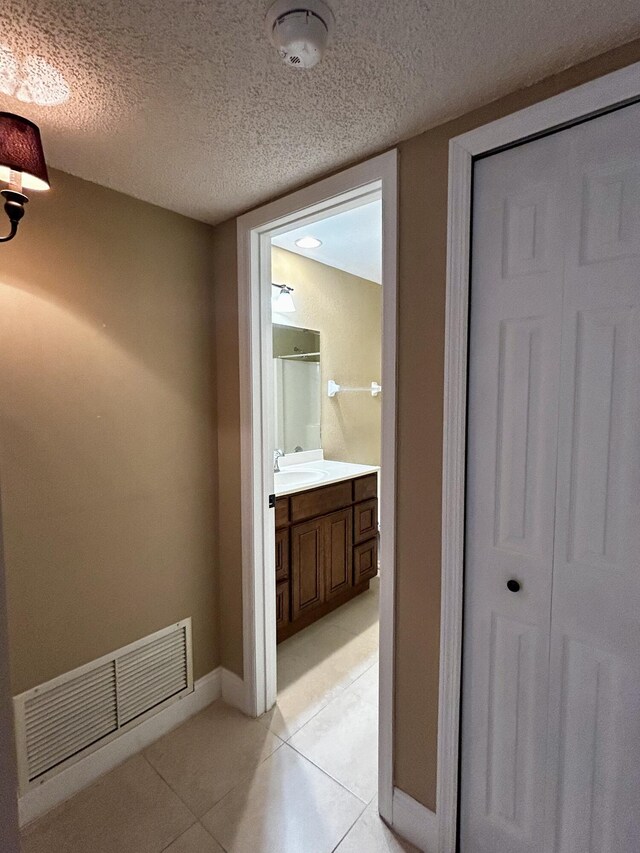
(22, 166)
(283, 302)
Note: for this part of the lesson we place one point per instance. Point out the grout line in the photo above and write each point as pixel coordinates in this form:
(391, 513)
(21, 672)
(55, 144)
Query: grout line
(326, 773)
(211, 835)
(333, 699)
(158, 773)
(242, 780)
(180, 834)
(348, 831)
(329, 776)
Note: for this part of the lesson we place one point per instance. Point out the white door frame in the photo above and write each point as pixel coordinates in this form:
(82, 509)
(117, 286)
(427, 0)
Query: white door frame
(257, 522)
(582, 102)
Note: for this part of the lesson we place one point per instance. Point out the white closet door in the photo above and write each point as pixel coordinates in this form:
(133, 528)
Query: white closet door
(515, 337)
(593, 767)
(551, 673)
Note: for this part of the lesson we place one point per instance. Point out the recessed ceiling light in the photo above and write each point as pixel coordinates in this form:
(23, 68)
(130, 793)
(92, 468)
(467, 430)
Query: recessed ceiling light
(308, 243)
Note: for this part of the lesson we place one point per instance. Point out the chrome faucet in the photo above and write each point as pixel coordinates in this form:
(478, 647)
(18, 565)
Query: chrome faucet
(277, 455)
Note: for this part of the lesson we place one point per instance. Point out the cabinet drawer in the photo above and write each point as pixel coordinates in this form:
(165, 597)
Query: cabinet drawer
(365, 487)
(365, 520)
(365, 561)
(320, 501)
(282, 512)
(282, 604)
(282, 555)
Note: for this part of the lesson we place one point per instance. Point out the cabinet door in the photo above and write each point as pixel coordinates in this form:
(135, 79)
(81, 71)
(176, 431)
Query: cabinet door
(307, 567)
(282, 555)
(338, 551)
(365, 520)
(365, 561)
(282, 512)
(282, 604)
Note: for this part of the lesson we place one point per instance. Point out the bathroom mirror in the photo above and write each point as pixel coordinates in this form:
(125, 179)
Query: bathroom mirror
(296, 367)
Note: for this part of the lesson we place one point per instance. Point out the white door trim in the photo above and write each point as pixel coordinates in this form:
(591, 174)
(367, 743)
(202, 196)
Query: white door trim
(258, 585)
(564, 109)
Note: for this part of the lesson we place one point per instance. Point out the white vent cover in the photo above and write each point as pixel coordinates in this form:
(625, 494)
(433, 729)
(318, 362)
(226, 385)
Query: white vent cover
(61, 721)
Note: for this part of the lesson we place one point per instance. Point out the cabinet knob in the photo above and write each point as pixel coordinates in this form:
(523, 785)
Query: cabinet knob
(513, 585)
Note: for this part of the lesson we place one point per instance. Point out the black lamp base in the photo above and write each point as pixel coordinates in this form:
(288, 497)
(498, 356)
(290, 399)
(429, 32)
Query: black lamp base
(14, 208)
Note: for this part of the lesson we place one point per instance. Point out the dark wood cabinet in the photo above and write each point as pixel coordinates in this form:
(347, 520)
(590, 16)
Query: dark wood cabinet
(307, 562)
(338, 551)
(326, 550)
(282, 555)
(365, 521)
(282, 605)
(365, 561)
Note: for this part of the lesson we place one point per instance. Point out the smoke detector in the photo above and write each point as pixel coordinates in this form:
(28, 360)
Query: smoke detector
(300, 30)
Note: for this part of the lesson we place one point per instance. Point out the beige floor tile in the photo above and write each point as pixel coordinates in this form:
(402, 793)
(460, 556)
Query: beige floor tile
(205, 757)
(360, 613)
(195, 840)
(289, 806)
(314, 670)
(370, 834)
(130, 810)
(342, 739)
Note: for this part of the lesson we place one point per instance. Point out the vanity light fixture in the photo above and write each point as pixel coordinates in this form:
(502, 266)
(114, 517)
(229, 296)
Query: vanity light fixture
(308, 242)
(22, 166)
(283, 302)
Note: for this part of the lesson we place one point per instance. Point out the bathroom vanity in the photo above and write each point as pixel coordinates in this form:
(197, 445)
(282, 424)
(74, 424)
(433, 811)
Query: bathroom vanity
(326, 540)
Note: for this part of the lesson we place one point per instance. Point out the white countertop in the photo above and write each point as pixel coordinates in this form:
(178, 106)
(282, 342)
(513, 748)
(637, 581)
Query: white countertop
(311, 475)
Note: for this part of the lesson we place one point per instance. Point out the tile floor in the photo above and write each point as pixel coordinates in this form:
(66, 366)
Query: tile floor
(302, 779)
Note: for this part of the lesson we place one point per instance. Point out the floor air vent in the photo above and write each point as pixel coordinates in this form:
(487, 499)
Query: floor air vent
(63, 720)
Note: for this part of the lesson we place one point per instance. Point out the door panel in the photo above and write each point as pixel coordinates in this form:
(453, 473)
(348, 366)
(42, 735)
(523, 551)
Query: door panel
(511, 744)
(550, 742)
(365, 561)
(282, 555)
(593, 768)
(307, 567)
(282, 604)
(515, 338)
(338, 551)
(365, 516)
(587, 775)
(520, 439)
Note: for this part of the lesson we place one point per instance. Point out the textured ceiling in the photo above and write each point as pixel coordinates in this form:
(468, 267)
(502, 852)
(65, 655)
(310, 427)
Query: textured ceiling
(351, 241)
(187, 105)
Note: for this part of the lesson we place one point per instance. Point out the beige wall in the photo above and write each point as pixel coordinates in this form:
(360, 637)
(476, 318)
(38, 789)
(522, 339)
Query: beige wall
(107, 443)
(423, 235)
(225, 279)
(347, 311)
(421, 297)
(8, 769)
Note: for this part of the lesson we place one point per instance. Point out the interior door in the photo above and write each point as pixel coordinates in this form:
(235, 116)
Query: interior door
(551, 681)
(514, 375)
(593, 768)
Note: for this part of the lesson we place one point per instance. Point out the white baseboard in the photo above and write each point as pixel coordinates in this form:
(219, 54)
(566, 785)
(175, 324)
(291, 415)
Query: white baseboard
(233, 690)
(415, 822)
(77, 776)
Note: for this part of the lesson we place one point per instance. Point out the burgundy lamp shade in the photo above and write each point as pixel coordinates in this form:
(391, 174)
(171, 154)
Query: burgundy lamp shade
(21, 151)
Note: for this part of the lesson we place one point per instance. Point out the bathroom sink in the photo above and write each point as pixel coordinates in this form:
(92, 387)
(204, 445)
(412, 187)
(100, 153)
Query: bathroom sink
(299, 477)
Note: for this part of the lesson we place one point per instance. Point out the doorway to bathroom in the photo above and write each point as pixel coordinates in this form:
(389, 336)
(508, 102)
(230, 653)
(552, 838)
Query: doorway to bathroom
(317, 274)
